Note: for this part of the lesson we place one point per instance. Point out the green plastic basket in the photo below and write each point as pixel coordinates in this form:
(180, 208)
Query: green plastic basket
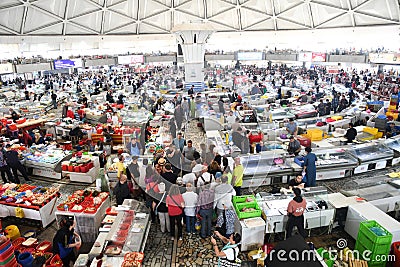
(248, 214)
(365, 229)
(242, 199)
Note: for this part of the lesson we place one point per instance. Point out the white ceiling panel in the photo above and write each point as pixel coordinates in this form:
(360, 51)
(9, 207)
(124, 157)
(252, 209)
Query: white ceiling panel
(97, 17)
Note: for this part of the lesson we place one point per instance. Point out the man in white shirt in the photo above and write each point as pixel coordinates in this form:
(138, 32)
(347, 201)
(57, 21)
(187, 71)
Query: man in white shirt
(190, 199)
(204, 178)
(223, 195)
(191, 177)
(230, 118)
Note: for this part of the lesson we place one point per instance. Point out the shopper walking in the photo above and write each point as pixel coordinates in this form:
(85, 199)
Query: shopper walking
(190, 199)
(162, 211)
(309, 167)
(205, 206)
(295, 211)
(121, 190)
(54, 99)
(12, 160)
(175, 205)
(4, 168)
(237, 176)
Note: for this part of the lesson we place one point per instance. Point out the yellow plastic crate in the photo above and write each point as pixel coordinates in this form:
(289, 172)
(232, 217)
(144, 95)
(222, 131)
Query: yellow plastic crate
(337, 118)
(394, 115)
(378, 135)
(315, 134)
(370, 130)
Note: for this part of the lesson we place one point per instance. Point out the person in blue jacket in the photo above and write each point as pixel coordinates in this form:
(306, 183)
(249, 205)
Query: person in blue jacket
(64, 241)
(309, 167)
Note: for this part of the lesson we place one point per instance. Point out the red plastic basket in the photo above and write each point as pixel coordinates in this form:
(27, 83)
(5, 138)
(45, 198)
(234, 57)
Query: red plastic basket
(5, 244)
(7, 254)
(56, 261)
(18, 242)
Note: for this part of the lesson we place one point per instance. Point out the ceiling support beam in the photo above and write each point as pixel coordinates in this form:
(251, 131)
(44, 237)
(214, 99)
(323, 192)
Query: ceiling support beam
(64, 30)
(103, 17)
(23, 20)
(351, 13)
(274, 15)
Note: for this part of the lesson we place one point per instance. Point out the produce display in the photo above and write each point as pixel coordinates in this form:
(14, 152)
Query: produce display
(28, 195)
(83, 201)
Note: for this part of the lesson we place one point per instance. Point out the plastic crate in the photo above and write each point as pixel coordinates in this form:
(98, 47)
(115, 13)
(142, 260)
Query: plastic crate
(242, 199)
(248, 214)
(365, 229)
(367, 243)
(371, 255)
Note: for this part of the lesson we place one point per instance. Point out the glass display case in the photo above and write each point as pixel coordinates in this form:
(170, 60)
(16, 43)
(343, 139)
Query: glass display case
(318, 213)
(394, 144)
(371, 152)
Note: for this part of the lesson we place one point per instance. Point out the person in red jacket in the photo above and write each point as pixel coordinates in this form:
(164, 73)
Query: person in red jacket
(175, 205)
(70, 113)
(295, 212)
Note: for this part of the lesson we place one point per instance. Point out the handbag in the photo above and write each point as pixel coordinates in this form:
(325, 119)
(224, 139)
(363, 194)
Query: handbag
(304, 180)
(222, 228)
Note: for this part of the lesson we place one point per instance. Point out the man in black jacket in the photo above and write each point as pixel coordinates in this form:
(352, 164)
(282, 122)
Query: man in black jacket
(351, 133)
(15, 165)
(121, 190)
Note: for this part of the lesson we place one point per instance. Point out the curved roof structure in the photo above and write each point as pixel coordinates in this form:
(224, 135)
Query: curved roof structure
(137, 17)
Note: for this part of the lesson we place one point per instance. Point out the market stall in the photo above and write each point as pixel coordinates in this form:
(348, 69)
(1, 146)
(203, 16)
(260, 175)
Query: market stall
(371, 156)
(394, 144)
(248, 222)
(332, 163)
(27, 201)
(318, 213)
(266, 168)
(127, 236)
(45, 160)
(84, 169)
(216, 138)
(88, 208)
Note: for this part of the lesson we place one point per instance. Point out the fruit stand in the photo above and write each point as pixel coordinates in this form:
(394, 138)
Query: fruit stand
(37, 203)
(88, 208)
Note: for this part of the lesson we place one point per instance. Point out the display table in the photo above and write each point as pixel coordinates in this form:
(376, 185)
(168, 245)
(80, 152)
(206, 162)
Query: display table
(31, 124)
(46, 214)
(275, 212)
(87, 225)
(49, 170)
(136, 230)
(83, 177)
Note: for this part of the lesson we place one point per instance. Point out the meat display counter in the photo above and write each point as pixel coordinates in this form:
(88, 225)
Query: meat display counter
(46, 161)
(265, 169)
(332, 163)
(394, 144)
(371, 156)
(319, 213)
(214, 137)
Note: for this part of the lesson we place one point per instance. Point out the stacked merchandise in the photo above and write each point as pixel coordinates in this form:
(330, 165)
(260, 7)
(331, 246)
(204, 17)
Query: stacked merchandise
(246, 207)
(7, 256)
(377, 240)
(392, 112)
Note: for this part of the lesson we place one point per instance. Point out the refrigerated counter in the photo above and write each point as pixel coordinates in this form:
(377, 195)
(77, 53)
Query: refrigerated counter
(332, 163)
(371, 156)
(319, 213)
(266, 168)
(394, 144)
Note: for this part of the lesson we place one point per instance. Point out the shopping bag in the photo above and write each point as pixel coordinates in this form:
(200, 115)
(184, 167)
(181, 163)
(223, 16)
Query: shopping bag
(304, 180)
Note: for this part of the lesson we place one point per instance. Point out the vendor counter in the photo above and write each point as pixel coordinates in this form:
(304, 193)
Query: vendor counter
(87, 225)
(128, 233)
(45, 214)
(318, 213)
